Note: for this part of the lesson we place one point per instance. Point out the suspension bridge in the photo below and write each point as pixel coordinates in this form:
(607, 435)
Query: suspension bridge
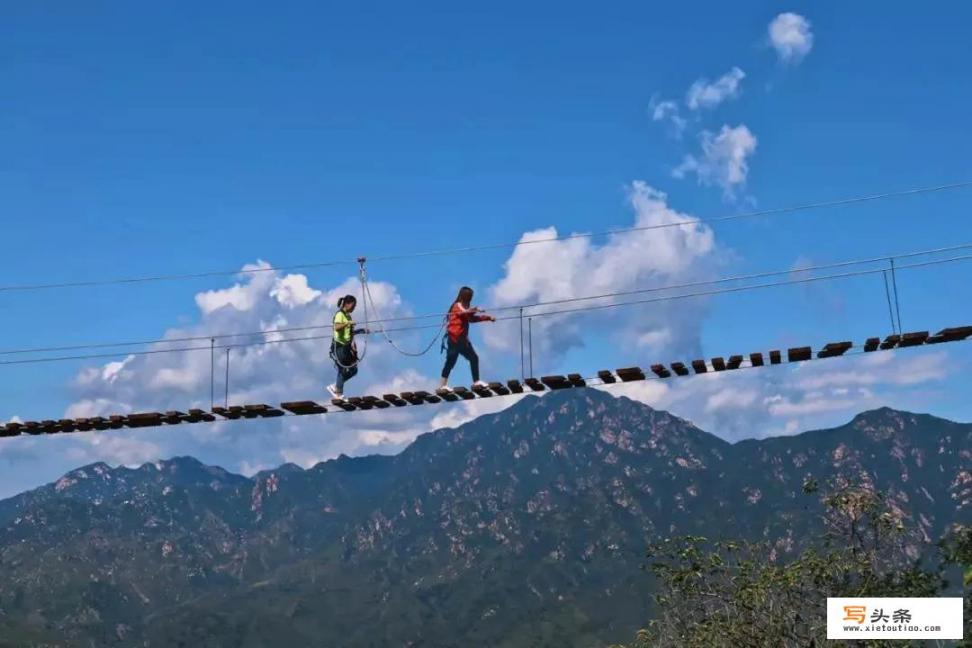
(511, 387)
(887, 266)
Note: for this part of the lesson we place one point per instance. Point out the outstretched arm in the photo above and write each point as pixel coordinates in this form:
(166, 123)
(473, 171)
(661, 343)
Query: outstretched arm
(470, 314)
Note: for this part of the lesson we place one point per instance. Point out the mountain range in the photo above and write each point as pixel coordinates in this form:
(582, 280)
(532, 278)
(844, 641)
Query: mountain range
(522, 528)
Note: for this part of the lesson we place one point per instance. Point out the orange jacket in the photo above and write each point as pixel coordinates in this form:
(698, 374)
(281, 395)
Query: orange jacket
(459, 318)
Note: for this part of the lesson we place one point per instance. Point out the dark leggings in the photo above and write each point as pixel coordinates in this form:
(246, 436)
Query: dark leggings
(346, 357)
(463, 347)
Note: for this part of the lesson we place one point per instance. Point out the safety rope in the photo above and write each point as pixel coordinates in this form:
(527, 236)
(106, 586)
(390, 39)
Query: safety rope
(380, 320)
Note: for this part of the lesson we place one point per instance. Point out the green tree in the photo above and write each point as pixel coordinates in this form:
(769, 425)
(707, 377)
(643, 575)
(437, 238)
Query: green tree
(737, 593)
(958, 551)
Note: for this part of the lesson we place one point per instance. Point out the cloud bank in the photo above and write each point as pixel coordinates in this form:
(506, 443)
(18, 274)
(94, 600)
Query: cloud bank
(791, 37)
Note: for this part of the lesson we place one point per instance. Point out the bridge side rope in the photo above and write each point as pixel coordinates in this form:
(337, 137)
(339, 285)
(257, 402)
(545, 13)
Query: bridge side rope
(292, 329)
(208, 337)
(366, 289)
(669, 371)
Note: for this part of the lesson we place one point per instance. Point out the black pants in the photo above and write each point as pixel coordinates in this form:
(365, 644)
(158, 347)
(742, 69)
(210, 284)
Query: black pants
(347, 357)
(463, 347)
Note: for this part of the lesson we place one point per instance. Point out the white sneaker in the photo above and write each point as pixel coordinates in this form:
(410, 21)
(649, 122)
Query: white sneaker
(444, 388)
(480, 383)
(334, 392)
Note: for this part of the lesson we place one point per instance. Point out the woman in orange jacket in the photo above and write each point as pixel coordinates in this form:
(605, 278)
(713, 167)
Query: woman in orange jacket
(461, 313)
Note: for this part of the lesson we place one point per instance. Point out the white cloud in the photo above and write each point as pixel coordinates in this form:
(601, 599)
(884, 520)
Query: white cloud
(182, 379)
(877, 368)
(240, 296)
(656, 339)
(667, 110)
(730, 398)
(724, 160)
(810, 404)
(101, 406)
(292, 291)
(650, 392)
(578, 267)
(703, 94)
(395, 440)
(248, 469)
(454, 415)
(790, 35)
(119, 450)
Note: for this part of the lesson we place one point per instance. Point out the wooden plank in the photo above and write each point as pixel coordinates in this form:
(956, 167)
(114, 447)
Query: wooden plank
(447, 394)
(303, 408)
(535, 384)
(116, 421)
(427, 397)
(343, 404)
(482, 392)
(499, 388)
(718, 363)
(699, 366)
(660, 371)
(799, 354)
(32, 427)
(360, 403)
(464, 393)
(263, 410)
(395, 400)
(953, 334)
(514, 386)
(83, 424)
(630, 374)
(412, 398)
(50, 427)
(228, 412)
(734, 362)
(67, 425)
(680, 368)
(915, 338)
(376, 402)
(890, 342)
(956, 333)
(576, 380)
(775, 357)
(872, 344)
(606, 377)
(144, 419)
(197, 415)
(10, 430)
(834, 349)
(173, 417)
(756, 359)
(99, 422)
(555, 382)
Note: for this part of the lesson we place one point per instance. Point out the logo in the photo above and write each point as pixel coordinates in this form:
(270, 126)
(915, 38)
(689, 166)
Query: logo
(894, 618)
(855, 613)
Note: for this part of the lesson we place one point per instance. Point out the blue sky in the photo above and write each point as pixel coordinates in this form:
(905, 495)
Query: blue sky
(145, 140)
